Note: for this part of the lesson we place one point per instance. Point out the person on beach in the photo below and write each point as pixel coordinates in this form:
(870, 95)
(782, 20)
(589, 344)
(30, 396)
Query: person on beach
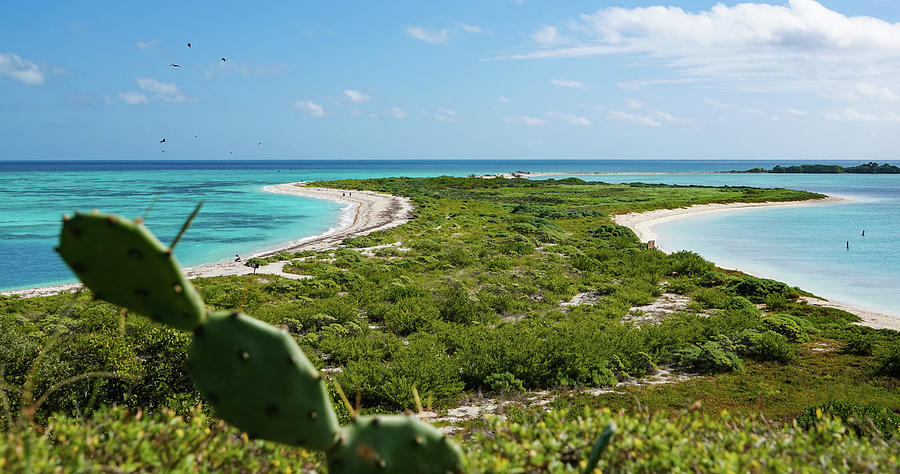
(254, 266)
(237, 258)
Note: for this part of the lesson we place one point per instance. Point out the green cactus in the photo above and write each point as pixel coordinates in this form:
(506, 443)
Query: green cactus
(123, 263)
(257, 379)
(254, 375)
(393, 444)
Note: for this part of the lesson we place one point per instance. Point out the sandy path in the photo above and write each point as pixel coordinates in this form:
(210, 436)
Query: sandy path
(642, 223)
(366, 212)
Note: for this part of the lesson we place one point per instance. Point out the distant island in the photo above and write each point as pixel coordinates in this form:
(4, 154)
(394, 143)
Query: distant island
(868, 168)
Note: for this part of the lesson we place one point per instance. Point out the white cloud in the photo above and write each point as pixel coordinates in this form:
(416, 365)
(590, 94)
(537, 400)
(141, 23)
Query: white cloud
(632, 118)
(397, 113)
(853, 115)
(750, 46)
(547, 36)
(164, 91)
(20, 69)
(797, 112)
(871, 91)
(470, 28)
(504, 99)
(524, 120)
(571, 118)
(133, 98)
(649, 117)
(356, 97)
(724, 106)
(567, 83)
(145, 45)
(445, 115)
(309, 107)
(429, 36)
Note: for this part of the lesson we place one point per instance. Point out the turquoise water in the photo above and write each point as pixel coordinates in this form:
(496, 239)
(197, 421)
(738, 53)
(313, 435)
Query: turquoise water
(802, 246)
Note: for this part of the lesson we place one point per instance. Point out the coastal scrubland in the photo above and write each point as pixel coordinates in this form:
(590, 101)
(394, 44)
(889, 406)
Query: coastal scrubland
(519, 294)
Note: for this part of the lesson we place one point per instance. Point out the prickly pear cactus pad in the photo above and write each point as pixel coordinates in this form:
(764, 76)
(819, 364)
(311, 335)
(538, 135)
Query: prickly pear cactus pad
(120, 261)
(258, 380)
(393, 444)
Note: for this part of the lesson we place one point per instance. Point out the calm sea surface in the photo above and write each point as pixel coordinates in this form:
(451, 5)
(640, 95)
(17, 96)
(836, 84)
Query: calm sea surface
(803, 246)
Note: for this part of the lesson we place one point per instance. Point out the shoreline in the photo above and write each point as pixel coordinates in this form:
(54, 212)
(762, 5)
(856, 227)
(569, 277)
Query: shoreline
(365, 212)
(641, 223)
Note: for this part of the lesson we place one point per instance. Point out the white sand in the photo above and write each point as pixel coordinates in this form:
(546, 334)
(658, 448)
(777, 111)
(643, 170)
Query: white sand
(642, 224)
(366, 212)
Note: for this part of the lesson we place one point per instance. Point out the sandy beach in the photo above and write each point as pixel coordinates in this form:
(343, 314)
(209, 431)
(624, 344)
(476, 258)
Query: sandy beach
(642, 224)
(365, 212)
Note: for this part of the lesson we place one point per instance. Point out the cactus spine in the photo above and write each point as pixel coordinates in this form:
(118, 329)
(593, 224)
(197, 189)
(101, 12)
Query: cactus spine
(254, 375)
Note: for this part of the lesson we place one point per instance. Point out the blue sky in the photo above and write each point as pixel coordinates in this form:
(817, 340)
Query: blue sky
(466, 79)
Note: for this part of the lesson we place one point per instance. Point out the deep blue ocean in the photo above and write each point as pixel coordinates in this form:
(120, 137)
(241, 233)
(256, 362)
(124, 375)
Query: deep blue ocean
(803, 246)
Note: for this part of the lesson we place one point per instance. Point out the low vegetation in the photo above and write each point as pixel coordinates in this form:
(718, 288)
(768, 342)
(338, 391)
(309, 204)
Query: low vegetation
(866, 168)
(467, 300)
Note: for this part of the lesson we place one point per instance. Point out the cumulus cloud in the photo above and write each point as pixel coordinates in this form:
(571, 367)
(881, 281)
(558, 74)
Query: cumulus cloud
(525, 120)
(725, 106)
(164, 91)
(309, 107)
(571, 118)
(397, 113)
(133, 98)
(870, 91)
(567, 83)
(853, 115)
(647, 117)
(445, 115)
(632, 118)
(443, 35)
(356, 97)
(145, 45)
(429, 36)
(20, 69)
(748, 45)
(547, 36)
(470, 28)
(796, 112)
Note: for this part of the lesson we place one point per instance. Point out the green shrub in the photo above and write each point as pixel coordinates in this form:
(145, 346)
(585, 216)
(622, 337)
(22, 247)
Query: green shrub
(859, 344)
(674, 442)
(689, 263)
(713, 298)
(708, 358)
(756, 289)
(786, 326)
(504, 382)
(712, 278)
(775, 301)
(888, 361)
(864, 420)
(121, 440)
(764, 346)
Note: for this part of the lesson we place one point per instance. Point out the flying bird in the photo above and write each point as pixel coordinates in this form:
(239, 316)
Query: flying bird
(174, 65)
(259, 144)
(163, 140)
(223, 60)
(189, 45)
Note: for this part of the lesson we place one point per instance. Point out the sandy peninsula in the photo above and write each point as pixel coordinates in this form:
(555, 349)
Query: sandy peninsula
(365, 212)
(642, 224)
